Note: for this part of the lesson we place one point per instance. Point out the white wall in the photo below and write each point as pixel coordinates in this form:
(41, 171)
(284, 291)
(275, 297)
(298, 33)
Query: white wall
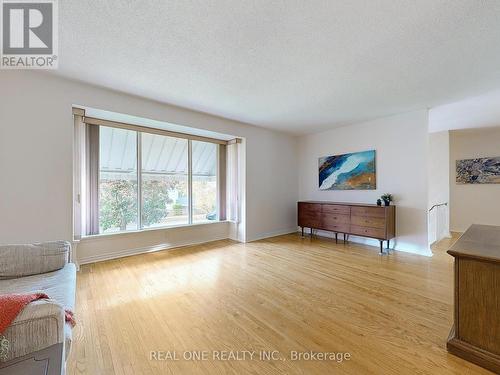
(439, 185)
(36, 135)
(401, 143)
(476, 112)
(474, 203)
(104, 247)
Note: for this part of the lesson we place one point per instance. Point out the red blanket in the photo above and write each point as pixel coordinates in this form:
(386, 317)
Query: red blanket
(12, 304)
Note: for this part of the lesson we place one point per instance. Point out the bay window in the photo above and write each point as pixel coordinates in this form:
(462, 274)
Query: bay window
(118, 209)
(204, 172)
(136, 178)
(164, 181)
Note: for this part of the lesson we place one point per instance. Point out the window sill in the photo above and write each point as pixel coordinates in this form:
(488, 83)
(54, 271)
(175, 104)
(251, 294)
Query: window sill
(132, 232)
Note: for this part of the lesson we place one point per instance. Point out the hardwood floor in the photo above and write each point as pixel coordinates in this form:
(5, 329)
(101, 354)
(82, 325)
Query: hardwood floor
(392, 314)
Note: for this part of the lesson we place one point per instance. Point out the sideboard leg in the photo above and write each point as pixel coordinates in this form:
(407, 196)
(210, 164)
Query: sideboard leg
(302, 231)
(311, 232)
(336, 237)
(388, 246)
(344, 238)
(381, 247)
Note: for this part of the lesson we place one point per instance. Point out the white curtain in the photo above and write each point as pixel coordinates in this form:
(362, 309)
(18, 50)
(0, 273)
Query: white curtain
(233, 182)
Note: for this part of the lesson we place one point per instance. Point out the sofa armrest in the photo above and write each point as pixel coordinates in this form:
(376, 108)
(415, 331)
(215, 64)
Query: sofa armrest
(39, 325)
(25, 260)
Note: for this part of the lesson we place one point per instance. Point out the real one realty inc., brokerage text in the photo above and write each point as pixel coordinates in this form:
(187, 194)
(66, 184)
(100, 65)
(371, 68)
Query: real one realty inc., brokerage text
(247, 355)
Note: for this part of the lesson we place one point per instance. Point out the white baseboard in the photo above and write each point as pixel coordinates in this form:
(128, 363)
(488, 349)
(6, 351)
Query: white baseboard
(375, 243)
(141, 250)
(168, 246)
(275, 233)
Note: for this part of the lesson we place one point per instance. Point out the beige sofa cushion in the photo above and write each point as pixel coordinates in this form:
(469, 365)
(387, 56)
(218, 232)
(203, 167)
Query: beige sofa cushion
(39, 326)
(24, 260)
(41, 323)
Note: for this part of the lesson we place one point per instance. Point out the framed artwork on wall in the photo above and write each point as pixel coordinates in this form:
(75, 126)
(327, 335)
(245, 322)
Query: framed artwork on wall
(353, 171)
(478, 171)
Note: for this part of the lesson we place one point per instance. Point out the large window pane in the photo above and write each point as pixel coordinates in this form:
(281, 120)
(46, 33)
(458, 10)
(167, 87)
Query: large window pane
(204, 159)
(117, 180)
(164, 181)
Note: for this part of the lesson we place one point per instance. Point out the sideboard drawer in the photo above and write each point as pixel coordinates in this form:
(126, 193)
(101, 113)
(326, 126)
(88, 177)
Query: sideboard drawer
(309, 207)
(335, 209)
(368, 221)
(368, 211)
(334, 219)
(367, 231)
(310, 219)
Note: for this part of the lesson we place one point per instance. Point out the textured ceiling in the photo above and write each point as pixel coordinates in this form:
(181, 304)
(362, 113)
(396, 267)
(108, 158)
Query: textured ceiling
(293, 65)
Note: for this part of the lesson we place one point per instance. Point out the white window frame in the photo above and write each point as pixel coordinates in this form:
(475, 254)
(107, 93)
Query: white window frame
(139, 131)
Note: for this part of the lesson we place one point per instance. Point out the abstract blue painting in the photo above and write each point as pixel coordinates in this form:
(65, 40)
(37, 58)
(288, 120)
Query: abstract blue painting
(354, 171)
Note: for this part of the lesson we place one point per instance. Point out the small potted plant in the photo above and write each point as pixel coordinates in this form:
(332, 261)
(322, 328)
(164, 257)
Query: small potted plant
(387, 198)
(379, 202)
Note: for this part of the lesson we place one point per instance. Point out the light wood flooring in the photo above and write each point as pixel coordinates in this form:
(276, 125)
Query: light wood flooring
(392, 314)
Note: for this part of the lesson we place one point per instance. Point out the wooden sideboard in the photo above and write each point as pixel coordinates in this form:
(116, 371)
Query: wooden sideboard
(366, 220)
(475, 335)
